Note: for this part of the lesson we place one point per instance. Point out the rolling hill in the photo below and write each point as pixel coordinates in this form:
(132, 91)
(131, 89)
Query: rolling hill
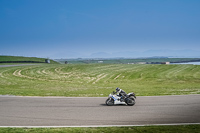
(21, 59)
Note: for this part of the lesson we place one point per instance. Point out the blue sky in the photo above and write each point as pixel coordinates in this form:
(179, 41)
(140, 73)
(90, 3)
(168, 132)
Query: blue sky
(66, 28)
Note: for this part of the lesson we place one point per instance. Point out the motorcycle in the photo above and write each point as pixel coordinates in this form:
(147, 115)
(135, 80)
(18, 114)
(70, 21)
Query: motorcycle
(114, 99)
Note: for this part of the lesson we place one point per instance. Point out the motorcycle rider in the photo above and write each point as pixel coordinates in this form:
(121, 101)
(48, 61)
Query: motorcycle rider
(121, 93)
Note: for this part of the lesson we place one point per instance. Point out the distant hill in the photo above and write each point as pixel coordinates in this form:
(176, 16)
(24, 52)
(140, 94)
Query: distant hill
(187, 53)
(150, 53)
(151, 60)
(21, 59)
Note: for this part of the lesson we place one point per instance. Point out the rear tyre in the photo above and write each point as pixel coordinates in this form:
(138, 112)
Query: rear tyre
(130, 101)
(109, 102)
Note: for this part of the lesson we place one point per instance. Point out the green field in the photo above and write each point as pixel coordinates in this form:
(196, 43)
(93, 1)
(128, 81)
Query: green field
(98, 80)
(15, 59)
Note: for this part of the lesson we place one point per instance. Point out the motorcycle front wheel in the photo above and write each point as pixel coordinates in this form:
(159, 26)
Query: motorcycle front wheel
(109, 102)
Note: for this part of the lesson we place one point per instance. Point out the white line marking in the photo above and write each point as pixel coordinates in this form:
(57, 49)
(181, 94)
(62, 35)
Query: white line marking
(45, 96)
(173, 124)
(88, 97)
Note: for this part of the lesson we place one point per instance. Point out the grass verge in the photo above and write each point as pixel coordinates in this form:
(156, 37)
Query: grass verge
(143, 129)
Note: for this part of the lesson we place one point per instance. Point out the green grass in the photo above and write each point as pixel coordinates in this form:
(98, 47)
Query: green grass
(145, 129)
(21, 58)
(98, 80)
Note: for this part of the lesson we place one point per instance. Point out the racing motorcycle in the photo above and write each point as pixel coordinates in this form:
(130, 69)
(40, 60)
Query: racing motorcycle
(114, 99)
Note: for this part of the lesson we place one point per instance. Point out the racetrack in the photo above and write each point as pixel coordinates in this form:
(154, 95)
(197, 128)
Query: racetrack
(92, 111)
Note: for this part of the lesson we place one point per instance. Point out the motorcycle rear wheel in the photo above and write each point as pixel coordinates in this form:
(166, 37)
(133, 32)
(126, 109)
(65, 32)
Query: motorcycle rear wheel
(109, 102)
(130, 101)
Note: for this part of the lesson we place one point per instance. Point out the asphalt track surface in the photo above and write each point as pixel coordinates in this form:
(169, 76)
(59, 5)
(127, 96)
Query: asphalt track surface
(63, 111)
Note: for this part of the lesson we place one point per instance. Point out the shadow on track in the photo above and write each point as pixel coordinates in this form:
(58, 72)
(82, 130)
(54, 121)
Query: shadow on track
(113, 105)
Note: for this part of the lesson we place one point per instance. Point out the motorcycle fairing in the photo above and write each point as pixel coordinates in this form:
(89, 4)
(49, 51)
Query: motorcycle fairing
(117, 100)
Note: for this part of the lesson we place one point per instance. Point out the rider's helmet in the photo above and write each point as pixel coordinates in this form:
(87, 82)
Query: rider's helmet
(117, 89)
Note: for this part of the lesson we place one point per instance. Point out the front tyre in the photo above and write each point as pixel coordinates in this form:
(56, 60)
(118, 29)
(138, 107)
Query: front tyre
(109, 102)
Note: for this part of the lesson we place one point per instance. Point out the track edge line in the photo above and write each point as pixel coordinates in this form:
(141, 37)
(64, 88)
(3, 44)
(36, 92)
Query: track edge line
(173, 124)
